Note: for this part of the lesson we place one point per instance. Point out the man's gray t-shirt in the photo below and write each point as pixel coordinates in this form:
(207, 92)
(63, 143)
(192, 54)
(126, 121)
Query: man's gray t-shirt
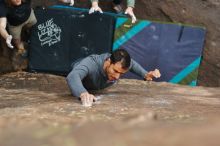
(88, 74)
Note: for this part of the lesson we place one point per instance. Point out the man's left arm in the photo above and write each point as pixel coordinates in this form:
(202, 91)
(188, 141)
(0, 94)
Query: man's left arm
(140, 71)
(137, 69)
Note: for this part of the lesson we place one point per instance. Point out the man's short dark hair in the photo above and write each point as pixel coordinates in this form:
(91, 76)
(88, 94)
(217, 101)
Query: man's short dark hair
(121, 55)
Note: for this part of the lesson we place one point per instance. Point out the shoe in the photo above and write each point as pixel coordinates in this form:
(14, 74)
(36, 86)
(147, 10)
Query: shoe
(19, 63)
(21, 51)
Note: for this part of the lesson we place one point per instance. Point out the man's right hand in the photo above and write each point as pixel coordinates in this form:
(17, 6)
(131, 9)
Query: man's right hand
(8, 42)
(95, 8)
(87, 99)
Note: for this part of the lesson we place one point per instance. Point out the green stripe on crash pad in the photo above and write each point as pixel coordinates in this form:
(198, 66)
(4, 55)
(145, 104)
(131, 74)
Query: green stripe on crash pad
(190, 78)
(130, 33)
(180, 76)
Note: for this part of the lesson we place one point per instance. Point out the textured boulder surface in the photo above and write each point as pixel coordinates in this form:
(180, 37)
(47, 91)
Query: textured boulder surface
(38, 109)
(194, 12)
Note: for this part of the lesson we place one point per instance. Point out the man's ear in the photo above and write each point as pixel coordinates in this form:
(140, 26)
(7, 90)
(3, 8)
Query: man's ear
(108, 61)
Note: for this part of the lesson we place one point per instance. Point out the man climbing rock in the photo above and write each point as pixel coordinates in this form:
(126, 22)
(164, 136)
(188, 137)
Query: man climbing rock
(97, 72)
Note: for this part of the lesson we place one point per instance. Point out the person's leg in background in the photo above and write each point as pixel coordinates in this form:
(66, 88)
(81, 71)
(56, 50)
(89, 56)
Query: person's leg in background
(15, 31)
(117, 6)
(27, 27)
(31, 20)
(17, 59)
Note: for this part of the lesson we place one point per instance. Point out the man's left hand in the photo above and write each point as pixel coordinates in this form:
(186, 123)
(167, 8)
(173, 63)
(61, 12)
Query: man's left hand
(130, 12)
(152, 74)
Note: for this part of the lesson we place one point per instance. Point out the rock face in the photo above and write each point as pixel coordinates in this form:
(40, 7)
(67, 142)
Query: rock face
(194, 12)
(38, 109)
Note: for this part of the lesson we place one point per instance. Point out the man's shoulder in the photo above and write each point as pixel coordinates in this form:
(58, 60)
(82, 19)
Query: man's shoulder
(100, 56)
(91, 61)
(96, 59)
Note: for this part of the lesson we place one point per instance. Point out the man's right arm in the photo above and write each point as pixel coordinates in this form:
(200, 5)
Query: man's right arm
(74, 80)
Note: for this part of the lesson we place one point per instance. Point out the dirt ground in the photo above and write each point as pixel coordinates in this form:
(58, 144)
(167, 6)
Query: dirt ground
(38, 109)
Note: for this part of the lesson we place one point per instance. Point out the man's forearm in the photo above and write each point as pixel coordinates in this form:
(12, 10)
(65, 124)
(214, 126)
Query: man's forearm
(137, 69)
(75, 84)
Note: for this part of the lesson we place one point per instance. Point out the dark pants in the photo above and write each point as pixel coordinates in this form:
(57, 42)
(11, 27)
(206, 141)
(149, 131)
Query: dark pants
(117, 2)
